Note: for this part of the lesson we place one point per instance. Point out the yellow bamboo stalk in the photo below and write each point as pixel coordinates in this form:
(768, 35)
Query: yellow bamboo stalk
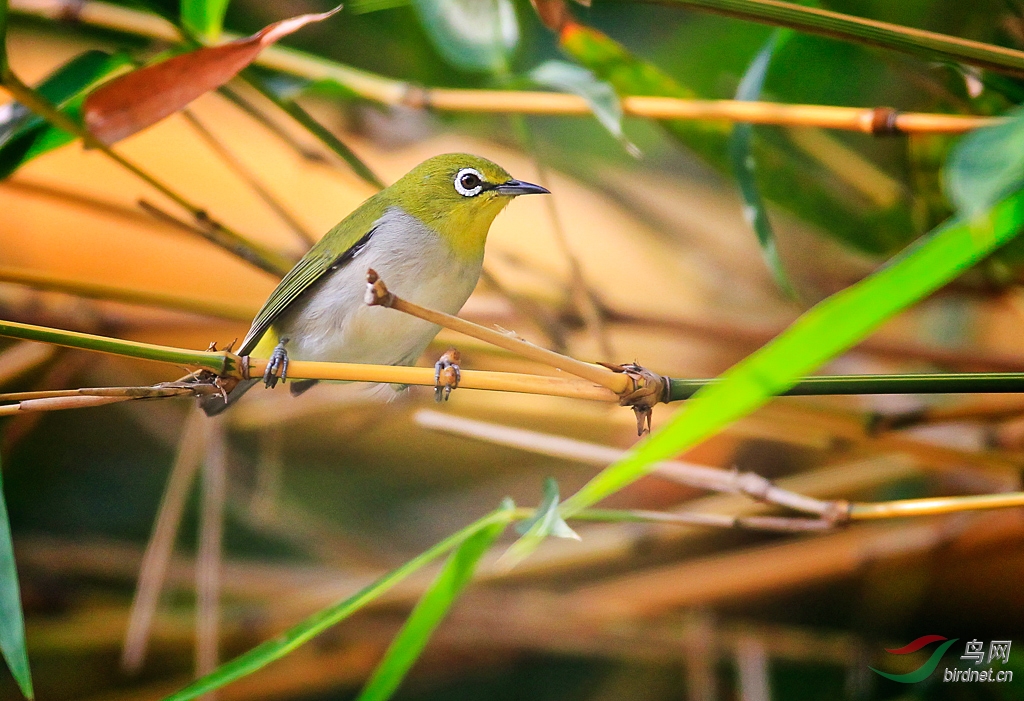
(934, 505)
(395, 92)
(471, 379)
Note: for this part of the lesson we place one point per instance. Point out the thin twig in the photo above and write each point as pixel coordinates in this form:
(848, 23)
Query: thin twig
(250, 251)
(699, 476)
(23, 357)
(378, 295)
(211, 530)
(161, 543)
(39, 280)
(232, 161)
(307, 153)
(396, 92)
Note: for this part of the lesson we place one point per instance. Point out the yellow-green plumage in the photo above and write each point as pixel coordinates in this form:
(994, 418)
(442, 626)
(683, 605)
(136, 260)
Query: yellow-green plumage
(424, 234)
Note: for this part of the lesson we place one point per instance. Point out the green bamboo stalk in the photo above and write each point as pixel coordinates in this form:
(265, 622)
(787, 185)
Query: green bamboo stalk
(919, 383)
(909, 40)
(219, 362)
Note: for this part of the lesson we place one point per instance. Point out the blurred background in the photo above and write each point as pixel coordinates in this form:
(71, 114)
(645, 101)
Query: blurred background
(645, 258)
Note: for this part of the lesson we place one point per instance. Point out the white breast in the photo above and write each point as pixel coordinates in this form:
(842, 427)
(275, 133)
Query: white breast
(332, 322)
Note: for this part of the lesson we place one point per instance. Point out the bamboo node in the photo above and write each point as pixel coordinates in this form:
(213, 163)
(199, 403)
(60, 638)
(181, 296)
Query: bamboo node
(377, 293)
(838, 512)
(883, 121)
(647, 389)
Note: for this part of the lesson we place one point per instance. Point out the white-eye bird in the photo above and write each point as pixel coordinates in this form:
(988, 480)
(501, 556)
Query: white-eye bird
(424, 235)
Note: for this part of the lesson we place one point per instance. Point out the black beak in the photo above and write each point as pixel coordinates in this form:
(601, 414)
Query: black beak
(518, 187)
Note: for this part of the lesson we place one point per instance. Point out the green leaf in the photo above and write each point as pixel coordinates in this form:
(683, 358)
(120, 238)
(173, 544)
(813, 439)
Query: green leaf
(3, 37)
(986, 165)
(819, 335)
(474, 35)
(909, 40)
(407, 646)
(24, 136)
(600, 95)
(264, 654)
(12, 623)
(547, 521)
(203, 19)
(744, 165)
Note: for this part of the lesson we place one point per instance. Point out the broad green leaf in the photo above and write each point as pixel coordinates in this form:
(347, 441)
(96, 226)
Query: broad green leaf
(474, 35)
(600, 95)
(744, 165)
(986, 165)
(12, 623)
(203, 19)
(407, 646)
(24, 136)
(546, 522)
(822, 333)
(264, 654)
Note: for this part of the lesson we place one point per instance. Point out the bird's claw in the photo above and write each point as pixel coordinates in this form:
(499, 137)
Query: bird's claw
(447, 374)
(278, 362)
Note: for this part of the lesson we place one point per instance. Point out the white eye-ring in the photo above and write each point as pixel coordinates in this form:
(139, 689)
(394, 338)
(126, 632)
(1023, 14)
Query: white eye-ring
(469, 182)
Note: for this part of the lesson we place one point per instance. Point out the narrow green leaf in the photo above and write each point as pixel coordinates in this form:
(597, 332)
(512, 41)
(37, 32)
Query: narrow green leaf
(600, 95)
(744, 166)
(547, 521)
(24, 136)
(3, 37)
(12, 623)
(822, 333)
(407, 646)
(203, 19)
(986, 165)
(930, 45)
(282, 92)
(474, 35)
(264, 654)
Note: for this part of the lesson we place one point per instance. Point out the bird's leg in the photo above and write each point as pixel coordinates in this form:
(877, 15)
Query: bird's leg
(446, 374)
(278, 361)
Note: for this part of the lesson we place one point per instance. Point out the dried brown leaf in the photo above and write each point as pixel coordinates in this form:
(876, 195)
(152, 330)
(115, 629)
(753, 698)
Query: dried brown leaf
(142, 98)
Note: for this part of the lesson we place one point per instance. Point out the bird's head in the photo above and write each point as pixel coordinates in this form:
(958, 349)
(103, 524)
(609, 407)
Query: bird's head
(458, 195)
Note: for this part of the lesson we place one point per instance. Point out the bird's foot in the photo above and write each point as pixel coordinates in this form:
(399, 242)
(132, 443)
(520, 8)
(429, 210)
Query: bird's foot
(277, 365)
(446, 374)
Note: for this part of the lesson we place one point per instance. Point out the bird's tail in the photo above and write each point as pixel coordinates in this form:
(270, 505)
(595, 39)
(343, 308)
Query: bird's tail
(214, 404)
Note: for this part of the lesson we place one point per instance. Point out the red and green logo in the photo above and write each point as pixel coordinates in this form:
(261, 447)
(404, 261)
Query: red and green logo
(922, 672)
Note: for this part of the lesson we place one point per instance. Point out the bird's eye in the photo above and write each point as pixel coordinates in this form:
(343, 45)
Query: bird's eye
(469, 182)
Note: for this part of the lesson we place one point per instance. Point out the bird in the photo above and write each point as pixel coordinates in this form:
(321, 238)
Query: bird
(424, 234)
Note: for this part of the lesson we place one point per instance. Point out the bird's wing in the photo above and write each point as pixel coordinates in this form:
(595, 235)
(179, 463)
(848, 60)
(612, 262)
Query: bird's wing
(347, 237)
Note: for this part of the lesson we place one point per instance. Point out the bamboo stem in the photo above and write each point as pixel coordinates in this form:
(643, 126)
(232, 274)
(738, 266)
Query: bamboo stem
(395, 92)
(921, 383)
(934, 505)
(219, 362)
(931, 45)
(424, 377)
